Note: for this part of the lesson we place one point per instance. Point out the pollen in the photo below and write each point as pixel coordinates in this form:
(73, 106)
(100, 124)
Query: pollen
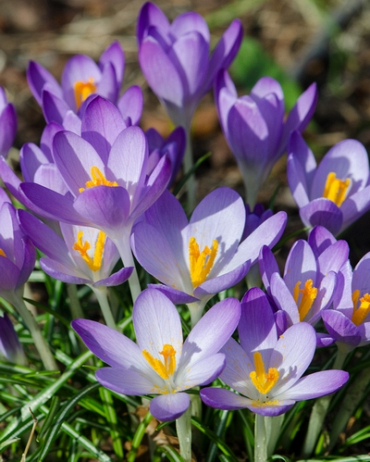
(82, 247)
(261, 379)
(336, 189)
(83, 90)
(167, 367)
(2, 253)
(97, 179)
(308, 295)
(201, 263)
(360, 312)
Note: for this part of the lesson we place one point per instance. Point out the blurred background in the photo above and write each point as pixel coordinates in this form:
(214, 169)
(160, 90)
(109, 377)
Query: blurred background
(295, 41)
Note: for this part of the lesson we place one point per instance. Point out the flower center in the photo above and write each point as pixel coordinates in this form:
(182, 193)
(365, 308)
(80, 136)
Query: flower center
(98, 179)
(360, 312)
(261, 379)
(82, 247)
(201, 262)
(336, 189)
(308, 295)
(165, 368)
(84, 90)
(2, 253)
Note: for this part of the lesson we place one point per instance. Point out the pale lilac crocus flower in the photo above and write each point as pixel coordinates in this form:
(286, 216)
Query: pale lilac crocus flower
(198, 258)
(254, 125)
(160, 363)
(334, 193)
(266, 368)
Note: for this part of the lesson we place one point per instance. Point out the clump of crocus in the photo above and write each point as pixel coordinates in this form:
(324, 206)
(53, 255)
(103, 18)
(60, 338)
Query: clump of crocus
(198, 258)
(335, 193)
(254, 126)
(175, 58)
(8, 124)
(160, 363)
(266, 368)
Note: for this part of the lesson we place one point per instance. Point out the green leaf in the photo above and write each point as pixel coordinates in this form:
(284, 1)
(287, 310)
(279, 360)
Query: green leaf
(171, 453)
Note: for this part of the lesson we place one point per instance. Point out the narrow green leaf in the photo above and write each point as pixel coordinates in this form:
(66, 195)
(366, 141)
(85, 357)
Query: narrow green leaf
(139, 434)
(190, 173)
(171, 453)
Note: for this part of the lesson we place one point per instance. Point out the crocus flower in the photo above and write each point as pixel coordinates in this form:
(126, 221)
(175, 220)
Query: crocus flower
(173, 147)
(349, 320)
(10, 347)
(81, 256)
(160, 363)
(196, 259)
(305, 290)
(8, 124)
(266, 369)
(175, 58)
(81, 79)
(335, 193)
(254, 125)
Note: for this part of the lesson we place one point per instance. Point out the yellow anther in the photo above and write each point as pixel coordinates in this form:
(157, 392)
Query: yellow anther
(201, 262)
(258, 403)
(309, 294)
(336, 189)
(261, 380)
(82, 247)
(360, 313)
(166, 368)
(2, 253)
(98, 179)
(83, 90)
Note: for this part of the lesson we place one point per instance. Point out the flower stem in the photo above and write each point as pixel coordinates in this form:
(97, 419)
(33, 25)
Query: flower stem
(319, 411)
(124, 249)
(260, 441)
(74, 302)
(196, 311)
(40, 343)
(188, 164)
(101, 295)
(183, 428)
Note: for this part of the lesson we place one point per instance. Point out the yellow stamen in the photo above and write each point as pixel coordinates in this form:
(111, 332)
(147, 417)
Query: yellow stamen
(166, 368)
(258, 403)
(261, 380)
(360, 313)
(98, 179)
(201, 262)
(83, 90)
(309, 294)
(2, 253)
(82, 247)
(336, 189)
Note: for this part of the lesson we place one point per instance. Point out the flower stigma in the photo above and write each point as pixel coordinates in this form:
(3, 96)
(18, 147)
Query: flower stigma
(83, 90)
(82, 247)
(360, 312)
(309, 294)
(261, 379)
(98, 179)
(201, 262)
(336, 189)
(166, 368)
(2, 253)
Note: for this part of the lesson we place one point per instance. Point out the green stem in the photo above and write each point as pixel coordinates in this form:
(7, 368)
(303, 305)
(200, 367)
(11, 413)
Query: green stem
(349, 405)
(101, 295)
(260, 440)
(196, 310)
(40, 343)
(273, 427)
(74, 302)
(319, 411)
(124, 249)
(183, 428)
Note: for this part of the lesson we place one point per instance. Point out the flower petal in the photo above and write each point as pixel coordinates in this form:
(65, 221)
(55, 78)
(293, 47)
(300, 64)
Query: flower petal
(170, 406)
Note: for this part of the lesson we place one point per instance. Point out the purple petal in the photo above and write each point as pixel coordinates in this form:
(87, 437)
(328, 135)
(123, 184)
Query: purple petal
(151, 15)
(300, 266)
(320, 239)
(114, 55)
(62, 272)
(31, 157)
(220, 398)
(54, 108)
(115, 279)
(202, 372)
(340, 327)
(169, 406)
(283, 298)
(355, 206)
(322, 212)
(176, 296)
(130, 105)
(268, 266)
(8, 124)
(38, 77)
(125, 381)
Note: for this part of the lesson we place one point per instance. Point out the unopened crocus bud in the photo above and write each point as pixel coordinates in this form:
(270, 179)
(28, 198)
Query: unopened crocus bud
(10, 347)
(8, 124)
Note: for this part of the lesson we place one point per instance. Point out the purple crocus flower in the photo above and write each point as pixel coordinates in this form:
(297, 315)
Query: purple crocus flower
(254, 125)
(81, 79)
(175, 58)
(196, 259)
(8, 124)
(335, 193)
(10, 347)
(307, 286)
(81, 256)
(160, 363)
(266, 369)
(173, 147)
(349, 320)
